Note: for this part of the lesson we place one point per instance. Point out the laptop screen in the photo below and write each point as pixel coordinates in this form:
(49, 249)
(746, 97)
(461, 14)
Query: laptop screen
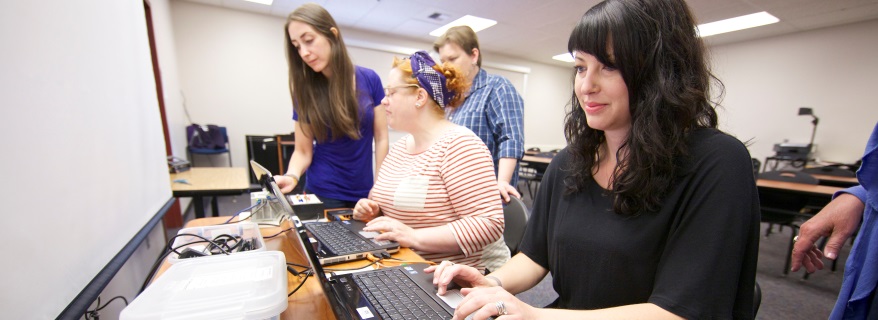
(267, 181)
(305, 244)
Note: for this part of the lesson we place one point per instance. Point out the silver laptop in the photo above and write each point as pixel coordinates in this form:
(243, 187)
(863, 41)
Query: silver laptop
(336, 241)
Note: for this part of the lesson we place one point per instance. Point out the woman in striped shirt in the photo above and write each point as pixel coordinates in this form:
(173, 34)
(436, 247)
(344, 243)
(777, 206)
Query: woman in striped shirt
(436, 191)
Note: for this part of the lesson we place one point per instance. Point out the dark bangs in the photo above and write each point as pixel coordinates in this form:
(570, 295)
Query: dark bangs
(633, 37)
(593, 33)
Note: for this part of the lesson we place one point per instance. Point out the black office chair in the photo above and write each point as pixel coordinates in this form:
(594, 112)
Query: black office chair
(757, 298)
(515, 214)
(784, 208)
(831, 171)
(757, 165)
(214, 140)
(530, 176)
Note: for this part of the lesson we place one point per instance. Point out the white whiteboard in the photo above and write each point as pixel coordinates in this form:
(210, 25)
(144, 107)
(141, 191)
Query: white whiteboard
(83, 152)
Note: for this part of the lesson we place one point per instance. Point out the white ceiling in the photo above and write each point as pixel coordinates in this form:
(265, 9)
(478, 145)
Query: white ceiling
(537, 30)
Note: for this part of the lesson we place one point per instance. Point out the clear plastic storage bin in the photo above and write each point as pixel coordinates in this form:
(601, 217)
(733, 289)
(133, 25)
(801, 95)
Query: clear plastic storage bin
(245, 286)
(246, 230)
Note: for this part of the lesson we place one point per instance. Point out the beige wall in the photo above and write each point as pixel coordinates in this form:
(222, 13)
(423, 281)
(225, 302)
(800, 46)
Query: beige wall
(832, 70)
(233, 73)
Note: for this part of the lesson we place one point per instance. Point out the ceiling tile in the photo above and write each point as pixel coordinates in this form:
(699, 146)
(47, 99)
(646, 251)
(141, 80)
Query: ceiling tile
(534, 29)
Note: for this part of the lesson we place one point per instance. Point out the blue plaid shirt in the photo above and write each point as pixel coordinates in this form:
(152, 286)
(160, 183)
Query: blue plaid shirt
(494, 111)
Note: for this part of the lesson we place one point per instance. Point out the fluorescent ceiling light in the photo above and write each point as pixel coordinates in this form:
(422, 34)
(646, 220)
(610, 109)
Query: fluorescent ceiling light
(476, 23)
(566, 57)
(265, 2)
(713, 28)
(735, 24)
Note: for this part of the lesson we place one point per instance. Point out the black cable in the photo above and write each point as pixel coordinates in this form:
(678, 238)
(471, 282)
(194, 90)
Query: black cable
(277, 234)
(258, 203)
(294, 271)
(171, 242)
(167, 251)
(239, 220)
(111, 300)
(307, 274)
(93, 314)
(224, 240)
(153, 270)
(298, 265)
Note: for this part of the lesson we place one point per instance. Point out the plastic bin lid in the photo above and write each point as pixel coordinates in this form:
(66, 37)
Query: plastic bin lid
(244, 286)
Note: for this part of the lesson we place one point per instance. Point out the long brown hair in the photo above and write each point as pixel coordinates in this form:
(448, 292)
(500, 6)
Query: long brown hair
(327, 107)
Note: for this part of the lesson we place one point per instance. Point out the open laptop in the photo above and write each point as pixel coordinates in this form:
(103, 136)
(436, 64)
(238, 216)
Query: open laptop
(337, 241)
(403, 292)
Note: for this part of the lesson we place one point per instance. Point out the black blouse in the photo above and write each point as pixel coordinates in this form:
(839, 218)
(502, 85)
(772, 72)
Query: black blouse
(695, 257)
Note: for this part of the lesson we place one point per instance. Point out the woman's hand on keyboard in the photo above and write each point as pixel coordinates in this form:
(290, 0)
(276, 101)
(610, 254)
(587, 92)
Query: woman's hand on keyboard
(366, 210)
(447, 273)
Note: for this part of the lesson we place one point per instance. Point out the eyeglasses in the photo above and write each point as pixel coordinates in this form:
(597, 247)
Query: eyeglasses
(388, 92)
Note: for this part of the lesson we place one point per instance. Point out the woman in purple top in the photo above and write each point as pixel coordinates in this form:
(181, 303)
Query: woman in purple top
(336, 110)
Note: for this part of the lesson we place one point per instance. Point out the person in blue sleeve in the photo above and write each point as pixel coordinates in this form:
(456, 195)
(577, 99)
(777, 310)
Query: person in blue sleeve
(335, 104)
(493, 110)
(838, 221)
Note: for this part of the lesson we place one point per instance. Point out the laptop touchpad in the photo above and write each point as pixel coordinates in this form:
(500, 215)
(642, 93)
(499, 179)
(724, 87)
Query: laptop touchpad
(369, 234)
(452, 298)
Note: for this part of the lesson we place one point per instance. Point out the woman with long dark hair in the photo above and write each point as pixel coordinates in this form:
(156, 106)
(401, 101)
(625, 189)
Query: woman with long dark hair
(335, 104)
(650, 212)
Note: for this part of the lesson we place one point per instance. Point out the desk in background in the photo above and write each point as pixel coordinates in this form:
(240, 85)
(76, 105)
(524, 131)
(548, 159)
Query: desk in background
(814, 190)
(309, 302)
(210, 182)
(836, 181)
(819, 195)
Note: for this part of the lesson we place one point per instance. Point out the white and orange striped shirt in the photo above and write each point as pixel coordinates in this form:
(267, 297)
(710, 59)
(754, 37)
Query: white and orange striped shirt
(451, 183)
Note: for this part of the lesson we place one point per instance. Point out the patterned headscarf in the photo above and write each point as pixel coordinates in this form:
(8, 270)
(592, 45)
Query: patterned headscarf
(429, 79)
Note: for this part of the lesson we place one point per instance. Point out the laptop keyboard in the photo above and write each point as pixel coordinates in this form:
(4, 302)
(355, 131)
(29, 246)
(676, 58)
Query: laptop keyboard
(339, 239)
(382, 288)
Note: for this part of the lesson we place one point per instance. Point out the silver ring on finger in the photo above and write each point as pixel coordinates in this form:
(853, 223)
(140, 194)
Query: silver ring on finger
(501, 308)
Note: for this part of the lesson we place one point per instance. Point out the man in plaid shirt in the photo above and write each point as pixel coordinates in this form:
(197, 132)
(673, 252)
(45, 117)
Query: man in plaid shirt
(493, 109)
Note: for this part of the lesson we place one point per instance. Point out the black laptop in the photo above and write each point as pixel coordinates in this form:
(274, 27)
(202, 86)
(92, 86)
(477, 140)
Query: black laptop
(337, 241)
(403, 292)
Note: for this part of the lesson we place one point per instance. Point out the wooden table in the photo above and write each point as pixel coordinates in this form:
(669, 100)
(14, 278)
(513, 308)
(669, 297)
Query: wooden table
(816, 190)
(210, 182)
(836, 181)
(309, 302)
(535, 159)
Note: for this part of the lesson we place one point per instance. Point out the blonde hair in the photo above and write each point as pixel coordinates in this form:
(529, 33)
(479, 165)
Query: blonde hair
(464, 36)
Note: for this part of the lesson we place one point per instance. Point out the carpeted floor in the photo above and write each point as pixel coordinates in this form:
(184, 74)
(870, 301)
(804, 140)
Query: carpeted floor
(783, 297)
